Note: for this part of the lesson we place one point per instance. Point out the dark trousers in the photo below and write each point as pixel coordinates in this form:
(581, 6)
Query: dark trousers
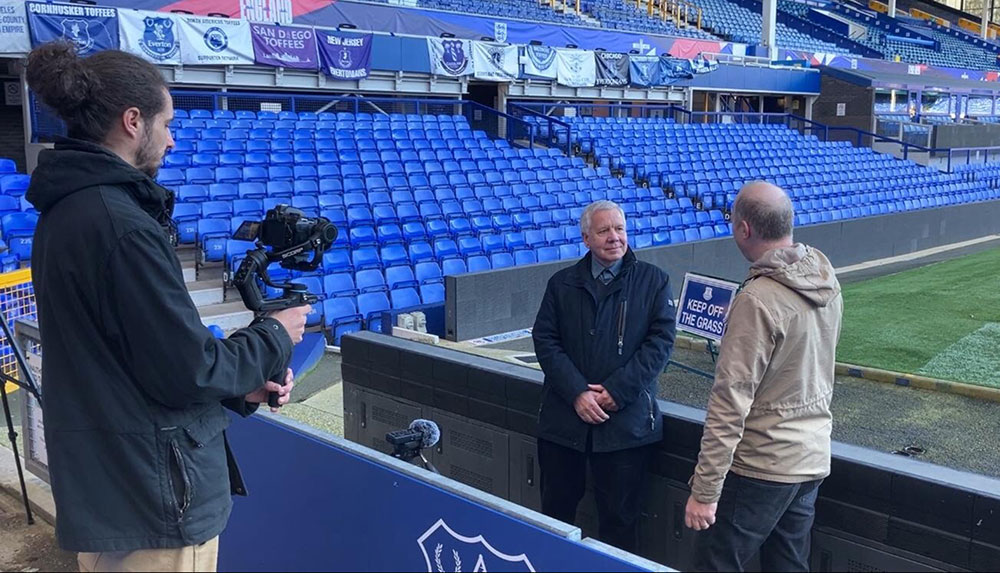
(757, 515)
(618, 479)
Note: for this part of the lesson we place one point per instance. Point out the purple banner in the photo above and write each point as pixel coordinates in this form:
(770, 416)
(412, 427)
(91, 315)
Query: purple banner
(284, 46)
(345, 56)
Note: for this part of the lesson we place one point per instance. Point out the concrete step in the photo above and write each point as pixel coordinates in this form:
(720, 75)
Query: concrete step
(228, 316)
(206, 292)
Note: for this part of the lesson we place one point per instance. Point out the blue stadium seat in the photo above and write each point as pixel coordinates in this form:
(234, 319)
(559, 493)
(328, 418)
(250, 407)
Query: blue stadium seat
(453, 267)
(339, 284)
(478, 263)
(340, 317)
(432, 293)
(404, 298)
(369, 306)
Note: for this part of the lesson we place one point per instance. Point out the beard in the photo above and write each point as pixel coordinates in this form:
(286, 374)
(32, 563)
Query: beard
(148, 158)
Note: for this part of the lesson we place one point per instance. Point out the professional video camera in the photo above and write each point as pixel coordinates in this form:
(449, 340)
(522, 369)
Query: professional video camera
(407, 444)
(297, 243)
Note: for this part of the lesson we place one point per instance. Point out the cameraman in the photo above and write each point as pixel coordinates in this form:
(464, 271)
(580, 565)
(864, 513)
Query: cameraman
(134, 383)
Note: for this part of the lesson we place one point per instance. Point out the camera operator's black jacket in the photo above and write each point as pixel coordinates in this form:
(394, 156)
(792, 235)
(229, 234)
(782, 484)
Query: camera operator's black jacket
(133, 384)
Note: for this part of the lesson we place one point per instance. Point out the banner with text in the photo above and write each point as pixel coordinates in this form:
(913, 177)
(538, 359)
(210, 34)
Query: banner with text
(150, 35)
(704, 304)
(215, 41)
(345, 56)
(494, 62)
(14, 38)
(90, 28)
(644, 71)
(576, 68)
(612, 69)
(284, 46)
(450, 57)
(539, 62)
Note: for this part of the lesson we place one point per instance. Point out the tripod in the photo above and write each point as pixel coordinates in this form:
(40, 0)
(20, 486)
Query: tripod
(29, 386)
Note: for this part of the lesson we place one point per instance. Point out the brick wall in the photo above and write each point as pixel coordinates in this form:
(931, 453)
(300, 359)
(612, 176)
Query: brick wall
(858, 101)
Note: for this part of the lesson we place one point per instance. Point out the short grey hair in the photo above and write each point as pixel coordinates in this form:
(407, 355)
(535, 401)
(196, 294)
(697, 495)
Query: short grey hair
(588, 213)
(771, 221)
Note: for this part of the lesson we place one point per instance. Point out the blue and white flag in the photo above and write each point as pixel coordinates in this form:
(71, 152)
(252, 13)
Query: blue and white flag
(673, 70)
(539, 62)
(345, 56)
(14, 38)
(612, 69)
(150, 35)
(90, 28)
(576, 68)
(215, 41)
(644, 71)
(450, 57)
(494, 62)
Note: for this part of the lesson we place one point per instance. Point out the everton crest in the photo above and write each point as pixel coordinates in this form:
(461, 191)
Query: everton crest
(158, 40)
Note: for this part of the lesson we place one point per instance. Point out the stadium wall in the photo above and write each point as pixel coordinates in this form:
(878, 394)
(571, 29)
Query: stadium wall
(876, 511)
(12, 134)
(859, 101)
(492, 302)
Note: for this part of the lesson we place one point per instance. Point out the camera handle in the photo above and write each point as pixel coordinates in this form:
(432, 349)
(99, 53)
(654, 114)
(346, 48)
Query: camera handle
(295, 294)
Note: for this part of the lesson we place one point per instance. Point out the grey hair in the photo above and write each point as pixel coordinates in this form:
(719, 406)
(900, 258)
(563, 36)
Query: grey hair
(588, 213)
(771, 221)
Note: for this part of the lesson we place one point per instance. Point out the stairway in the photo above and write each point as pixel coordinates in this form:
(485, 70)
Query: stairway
(218, 306)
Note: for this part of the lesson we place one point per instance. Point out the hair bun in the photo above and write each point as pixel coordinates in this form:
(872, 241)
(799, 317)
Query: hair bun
(60, 77)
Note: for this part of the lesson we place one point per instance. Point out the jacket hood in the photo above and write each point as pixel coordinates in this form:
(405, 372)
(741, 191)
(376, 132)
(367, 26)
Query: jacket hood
(801, 268)
(74, 165)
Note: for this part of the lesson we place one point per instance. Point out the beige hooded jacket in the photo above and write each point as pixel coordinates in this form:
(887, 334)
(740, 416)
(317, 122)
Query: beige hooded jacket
(769, 412)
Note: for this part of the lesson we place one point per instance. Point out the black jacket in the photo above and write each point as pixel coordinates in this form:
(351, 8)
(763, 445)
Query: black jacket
(581, 337)
(133, 383)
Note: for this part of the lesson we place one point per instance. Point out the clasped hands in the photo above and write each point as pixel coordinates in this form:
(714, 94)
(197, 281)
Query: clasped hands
(594, 403)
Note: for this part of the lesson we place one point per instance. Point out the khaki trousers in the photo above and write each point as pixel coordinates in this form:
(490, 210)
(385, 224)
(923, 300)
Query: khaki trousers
(199, 558)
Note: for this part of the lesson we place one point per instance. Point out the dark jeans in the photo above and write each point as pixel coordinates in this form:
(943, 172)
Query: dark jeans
(618, 479)
(774, 518)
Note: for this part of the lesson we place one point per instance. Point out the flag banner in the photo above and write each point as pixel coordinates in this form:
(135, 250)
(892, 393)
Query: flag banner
(284, 46)
(674, 69)
(539, 62)
(150, 35)
(14, 38)
(345, 56)
(215, 41)
(450, 57)
(612, 69)
(494, 62)
(90, 28)
(644, 71)
(576, 68)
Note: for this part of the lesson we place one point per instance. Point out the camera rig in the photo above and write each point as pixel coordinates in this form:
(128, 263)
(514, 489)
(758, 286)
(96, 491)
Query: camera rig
(296, 243)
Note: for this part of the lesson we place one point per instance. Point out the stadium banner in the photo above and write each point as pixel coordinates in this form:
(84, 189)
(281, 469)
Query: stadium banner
(14, 38)
(576, 68)
(215, 41)
(673, 70)
(539, 62)
(612, 69)
(644, 71)
(150, 35)
(90, 28)
(284, 46)
(345, 56)
(450, 57)
(494, 62)
(704, 305)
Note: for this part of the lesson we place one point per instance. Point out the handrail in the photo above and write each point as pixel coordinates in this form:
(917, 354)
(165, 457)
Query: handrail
(551, 121)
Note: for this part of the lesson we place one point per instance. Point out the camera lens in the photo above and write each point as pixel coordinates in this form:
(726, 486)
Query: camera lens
(328, 232)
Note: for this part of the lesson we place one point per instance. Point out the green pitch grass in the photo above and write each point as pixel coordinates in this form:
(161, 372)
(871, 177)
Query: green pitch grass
(942, 321)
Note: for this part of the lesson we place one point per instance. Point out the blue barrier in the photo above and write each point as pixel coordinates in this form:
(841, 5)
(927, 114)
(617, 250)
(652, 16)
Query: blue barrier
(318, 502)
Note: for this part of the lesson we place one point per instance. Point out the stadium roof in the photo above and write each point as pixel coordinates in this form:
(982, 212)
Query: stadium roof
(879, 79)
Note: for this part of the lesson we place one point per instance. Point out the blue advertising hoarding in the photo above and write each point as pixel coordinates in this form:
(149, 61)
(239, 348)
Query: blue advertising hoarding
(704, 305)
(320, 503)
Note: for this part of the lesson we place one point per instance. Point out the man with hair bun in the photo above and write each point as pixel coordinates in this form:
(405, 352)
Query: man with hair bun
(603, 335)
(766, 444)
(135, 384)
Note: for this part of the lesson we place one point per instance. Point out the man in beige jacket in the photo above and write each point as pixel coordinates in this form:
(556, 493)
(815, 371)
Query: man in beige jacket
(766, 445)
